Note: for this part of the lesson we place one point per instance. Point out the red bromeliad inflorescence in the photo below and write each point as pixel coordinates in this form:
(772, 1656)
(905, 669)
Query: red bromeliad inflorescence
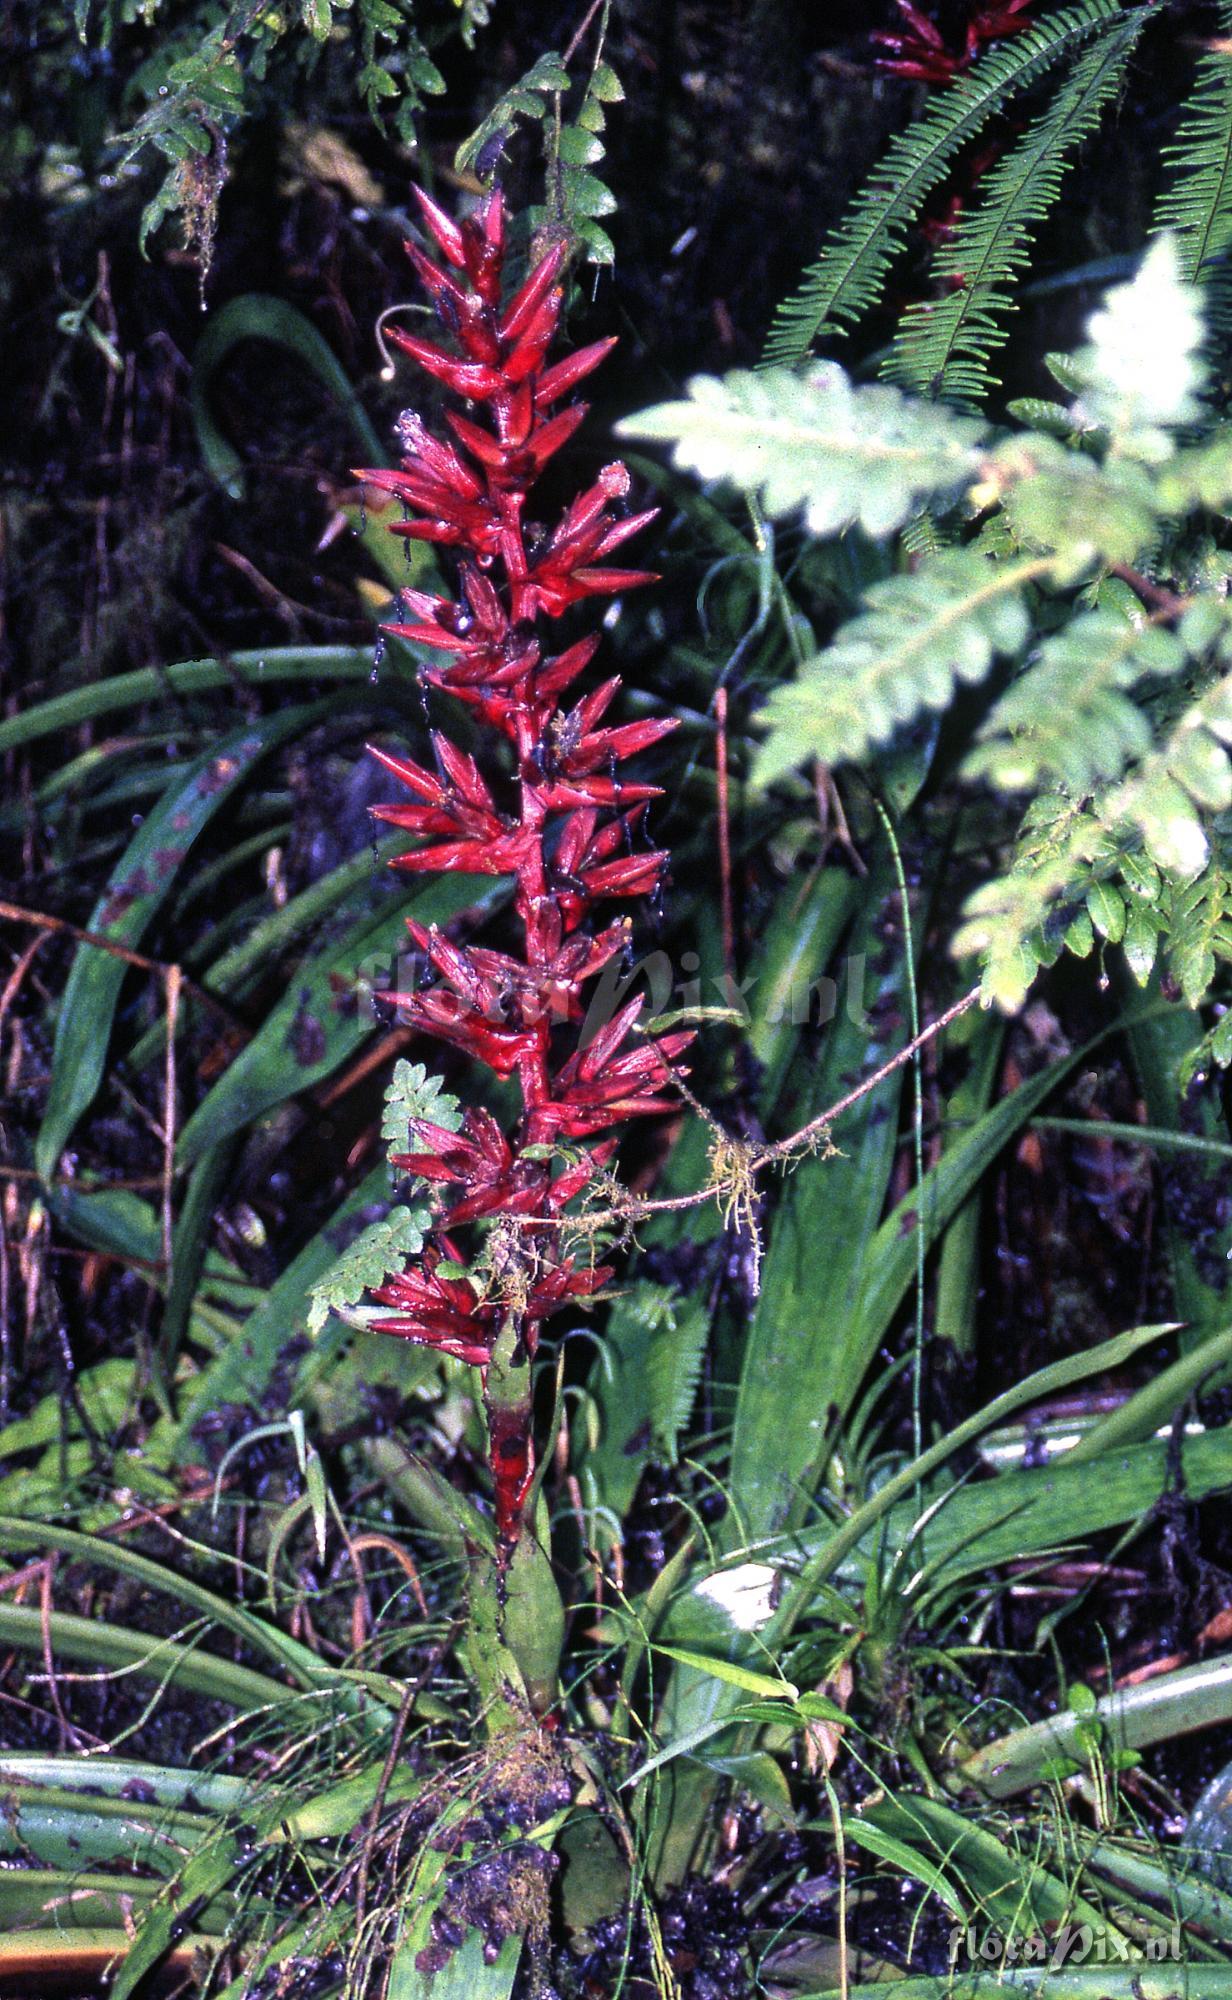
(563, 825)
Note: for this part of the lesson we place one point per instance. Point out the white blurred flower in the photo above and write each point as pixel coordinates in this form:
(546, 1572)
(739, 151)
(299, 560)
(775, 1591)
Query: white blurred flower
(744, 1594)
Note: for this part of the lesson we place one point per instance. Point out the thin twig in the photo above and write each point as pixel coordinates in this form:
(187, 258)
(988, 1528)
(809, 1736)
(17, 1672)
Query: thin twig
(13, 913)
(1153, 595)
(917, 1126)
(12, 984)
(68, 1735)
(840, 1849)
(782, 1149)
(575, 42)
(377, 1057)
(378, 1804)
(138, 1184)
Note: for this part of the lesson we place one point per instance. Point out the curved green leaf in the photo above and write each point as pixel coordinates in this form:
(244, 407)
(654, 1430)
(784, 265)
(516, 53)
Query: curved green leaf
(137, 888)
(326, 1015)
(119, 691)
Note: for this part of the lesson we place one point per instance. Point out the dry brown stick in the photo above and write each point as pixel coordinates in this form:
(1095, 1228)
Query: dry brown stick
(374, 1540)
(139, 1184)
(16, 915)
(378, 1803)
(376, 1057)
(12, 984)
(829, 800)
(1155, 596)
(576, 39)
(68, 1735)
(782, 1149)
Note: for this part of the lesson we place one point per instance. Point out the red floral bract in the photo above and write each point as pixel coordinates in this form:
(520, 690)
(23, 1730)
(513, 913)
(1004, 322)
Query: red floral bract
(565, 832)
(918, 50)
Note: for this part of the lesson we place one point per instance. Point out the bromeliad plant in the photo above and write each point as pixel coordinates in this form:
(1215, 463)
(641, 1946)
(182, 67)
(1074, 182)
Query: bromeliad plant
(560, 819)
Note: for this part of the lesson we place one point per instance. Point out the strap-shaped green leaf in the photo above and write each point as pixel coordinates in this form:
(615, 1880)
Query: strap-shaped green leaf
(138, 886)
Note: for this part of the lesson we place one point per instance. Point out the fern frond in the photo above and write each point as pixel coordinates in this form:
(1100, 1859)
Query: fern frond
(1152, 831)
(1200, 932)
(679, 1329)
(382, 1250)
(1198, 204)
(1069, 717)
(850, 274)
(942, 346)
(412, 1093)
(920, 634)
(1021, 920)
(1062, 503)
(1201, 477)
(845, 454)
(1189, 773)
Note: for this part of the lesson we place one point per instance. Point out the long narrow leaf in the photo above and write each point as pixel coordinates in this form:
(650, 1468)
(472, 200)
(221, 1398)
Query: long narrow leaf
(138, 886)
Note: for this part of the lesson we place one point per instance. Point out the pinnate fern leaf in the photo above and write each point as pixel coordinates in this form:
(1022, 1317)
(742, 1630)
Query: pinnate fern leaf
(376, 1254)
(850, 275)
(385, 1245)
(1201, 932)
(1187, 775)
(1069, 718)
(918, 636)
(1157, 818)
(412, 1093)
(942, 346)
(1198, 203)
(843, 454)
(1063, 504)
(679, 1330)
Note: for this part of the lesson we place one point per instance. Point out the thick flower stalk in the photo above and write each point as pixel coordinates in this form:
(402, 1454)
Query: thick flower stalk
(556, 815)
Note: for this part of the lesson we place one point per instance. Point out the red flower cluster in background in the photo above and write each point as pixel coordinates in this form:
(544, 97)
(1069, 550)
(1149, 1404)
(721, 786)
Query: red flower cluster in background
(565, 833)
(919, 50)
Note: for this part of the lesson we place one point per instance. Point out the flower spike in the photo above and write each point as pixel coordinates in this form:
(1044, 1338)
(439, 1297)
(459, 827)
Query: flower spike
(563, 823)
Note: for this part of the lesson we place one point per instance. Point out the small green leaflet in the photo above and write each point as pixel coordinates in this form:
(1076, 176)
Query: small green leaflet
(727, 1670)
(412, 1093)
(377, 1254)
(384, 1246)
